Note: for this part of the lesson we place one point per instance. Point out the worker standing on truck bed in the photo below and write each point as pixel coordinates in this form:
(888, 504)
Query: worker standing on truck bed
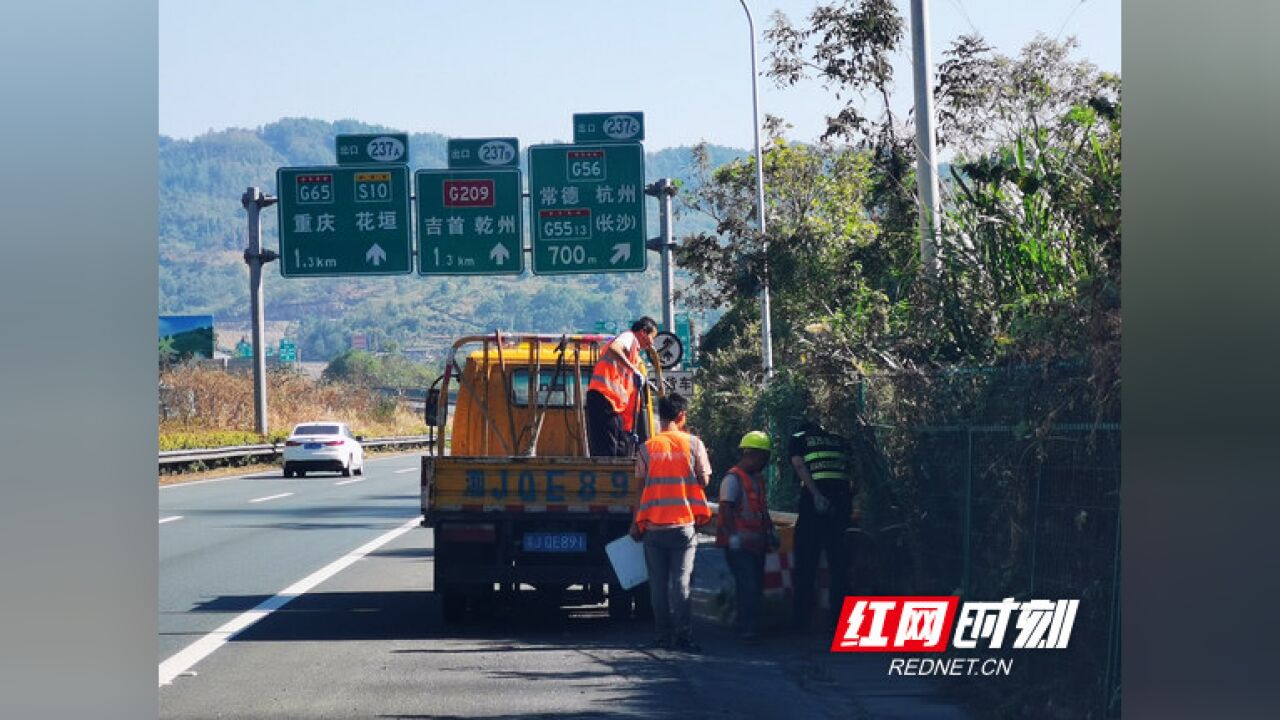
(745, 530)
(674, 470)
(613, 394)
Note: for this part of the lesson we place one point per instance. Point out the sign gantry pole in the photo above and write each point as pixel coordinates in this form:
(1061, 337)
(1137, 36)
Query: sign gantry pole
(255, 257)
(664, 190)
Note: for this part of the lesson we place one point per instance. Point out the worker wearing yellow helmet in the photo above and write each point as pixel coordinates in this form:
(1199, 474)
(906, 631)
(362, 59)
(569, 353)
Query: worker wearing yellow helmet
(745, 530)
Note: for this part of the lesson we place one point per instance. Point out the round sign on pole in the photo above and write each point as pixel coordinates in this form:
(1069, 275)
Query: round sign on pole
(670, 349)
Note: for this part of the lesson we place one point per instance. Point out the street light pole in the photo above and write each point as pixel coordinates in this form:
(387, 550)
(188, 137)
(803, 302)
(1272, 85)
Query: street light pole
(926, 158)
(766, 334)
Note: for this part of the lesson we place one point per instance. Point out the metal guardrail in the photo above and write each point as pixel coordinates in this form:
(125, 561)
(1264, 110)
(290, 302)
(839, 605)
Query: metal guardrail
(178, 457)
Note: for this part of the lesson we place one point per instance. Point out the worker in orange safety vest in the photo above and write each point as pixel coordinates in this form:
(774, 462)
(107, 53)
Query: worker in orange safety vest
(674, 470)
(745, 530)
(614, 390)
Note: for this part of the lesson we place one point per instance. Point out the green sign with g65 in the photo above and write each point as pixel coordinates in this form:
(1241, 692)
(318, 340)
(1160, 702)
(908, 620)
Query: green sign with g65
(587, 208)
(344, 221)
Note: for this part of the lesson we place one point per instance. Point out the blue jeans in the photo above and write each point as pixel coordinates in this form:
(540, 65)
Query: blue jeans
(668, 555)
(748, 582)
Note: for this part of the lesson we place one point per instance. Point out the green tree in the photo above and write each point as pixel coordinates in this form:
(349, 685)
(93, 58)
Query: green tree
(354, 367)
(1031, 278)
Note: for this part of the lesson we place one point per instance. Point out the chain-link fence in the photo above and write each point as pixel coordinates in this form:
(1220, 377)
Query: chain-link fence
(1000, 483)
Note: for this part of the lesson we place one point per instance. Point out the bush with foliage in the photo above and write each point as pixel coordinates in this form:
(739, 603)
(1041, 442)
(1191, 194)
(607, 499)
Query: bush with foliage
(1020, 329)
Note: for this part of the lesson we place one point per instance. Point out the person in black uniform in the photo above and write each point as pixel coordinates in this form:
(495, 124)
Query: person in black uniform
(821, 461)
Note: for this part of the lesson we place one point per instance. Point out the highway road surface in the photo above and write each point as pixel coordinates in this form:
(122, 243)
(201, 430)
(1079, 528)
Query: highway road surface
(311, 598)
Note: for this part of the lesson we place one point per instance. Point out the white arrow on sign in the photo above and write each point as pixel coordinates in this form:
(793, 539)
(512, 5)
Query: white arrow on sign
(376, 255)
(621, 251)
(499, 253)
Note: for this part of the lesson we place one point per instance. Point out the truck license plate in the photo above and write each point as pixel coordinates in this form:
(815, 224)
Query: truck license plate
(555, 542)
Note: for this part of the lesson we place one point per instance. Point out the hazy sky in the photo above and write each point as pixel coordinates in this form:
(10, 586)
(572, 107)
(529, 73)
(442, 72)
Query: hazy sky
(475, 68)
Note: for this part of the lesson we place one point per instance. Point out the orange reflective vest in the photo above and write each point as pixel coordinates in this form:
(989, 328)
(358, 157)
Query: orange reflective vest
(673, 493)
(617, 383)
(752, 518)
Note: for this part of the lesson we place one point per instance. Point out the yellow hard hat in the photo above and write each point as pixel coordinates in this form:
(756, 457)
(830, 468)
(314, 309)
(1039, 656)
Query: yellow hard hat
(755, 440)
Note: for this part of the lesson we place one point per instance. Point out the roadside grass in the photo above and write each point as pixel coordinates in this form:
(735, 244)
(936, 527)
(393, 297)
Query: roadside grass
(207, 407)
(202, 407)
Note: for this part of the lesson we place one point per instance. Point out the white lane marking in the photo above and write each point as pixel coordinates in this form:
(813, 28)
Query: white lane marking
(171, 518)
(186, 658)
(271, 497)
(401, 472)
(348, 482)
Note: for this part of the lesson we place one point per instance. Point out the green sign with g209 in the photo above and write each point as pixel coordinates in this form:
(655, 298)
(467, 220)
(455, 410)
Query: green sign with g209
(470, 222)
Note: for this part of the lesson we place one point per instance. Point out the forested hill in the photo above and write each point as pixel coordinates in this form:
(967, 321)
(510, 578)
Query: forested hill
(202, 238)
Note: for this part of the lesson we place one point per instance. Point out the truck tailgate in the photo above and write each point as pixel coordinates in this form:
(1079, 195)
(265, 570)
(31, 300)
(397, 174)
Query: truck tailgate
(524, 484)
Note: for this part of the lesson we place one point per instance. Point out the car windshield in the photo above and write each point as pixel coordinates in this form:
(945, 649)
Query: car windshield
(316, 430)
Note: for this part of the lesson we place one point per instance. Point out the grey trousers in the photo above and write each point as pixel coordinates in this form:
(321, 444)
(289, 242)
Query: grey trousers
(668, 555)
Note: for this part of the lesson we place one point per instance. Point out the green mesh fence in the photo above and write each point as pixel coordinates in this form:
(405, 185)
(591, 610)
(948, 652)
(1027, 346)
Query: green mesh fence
(1000, 483)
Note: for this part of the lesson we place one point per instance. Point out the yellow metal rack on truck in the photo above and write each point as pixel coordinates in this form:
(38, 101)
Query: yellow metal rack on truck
(508, 486)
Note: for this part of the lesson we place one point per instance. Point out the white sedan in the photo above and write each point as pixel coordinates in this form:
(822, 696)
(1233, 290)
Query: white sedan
(323, 446)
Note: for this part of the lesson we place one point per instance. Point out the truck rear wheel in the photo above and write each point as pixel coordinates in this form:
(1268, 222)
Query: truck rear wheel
(620, 603)
(644, 604)
(453, 606)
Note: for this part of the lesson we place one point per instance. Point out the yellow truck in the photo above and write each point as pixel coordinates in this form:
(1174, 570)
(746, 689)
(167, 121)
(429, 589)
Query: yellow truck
(508, 487)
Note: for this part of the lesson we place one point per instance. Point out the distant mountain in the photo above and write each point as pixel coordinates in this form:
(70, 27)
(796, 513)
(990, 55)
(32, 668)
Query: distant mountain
(202, 239)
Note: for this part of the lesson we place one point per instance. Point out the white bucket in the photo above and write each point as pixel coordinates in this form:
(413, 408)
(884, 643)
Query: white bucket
(627, 557)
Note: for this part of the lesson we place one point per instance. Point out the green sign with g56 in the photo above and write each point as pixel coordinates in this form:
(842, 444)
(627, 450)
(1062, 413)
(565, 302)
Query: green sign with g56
(344, 221)
(587, 208)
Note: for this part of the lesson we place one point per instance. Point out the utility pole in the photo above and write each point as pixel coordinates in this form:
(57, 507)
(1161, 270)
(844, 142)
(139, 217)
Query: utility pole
(255, 257)
(926, 160)
(664, 190)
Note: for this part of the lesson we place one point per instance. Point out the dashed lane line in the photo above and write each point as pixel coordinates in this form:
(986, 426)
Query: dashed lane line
(270, 497)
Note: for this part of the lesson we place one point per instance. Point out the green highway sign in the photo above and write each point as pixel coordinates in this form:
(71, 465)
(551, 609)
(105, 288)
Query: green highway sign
(344, 221)
(373, 148)
(586, 203)
(608, 127)
(684, 331)
(288, 352)
(470, 222)
(483, 152)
